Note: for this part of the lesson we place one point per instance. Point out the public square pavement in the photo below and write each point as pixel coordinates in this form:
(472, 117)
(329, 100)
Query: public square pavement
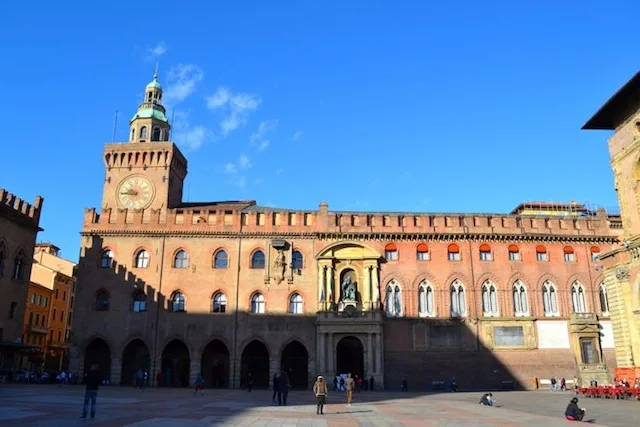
(43, 405)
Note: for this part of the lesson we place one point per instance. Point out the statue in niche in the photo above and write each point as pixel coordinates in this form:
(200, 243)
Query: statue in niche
(349, 291)
(279, 266)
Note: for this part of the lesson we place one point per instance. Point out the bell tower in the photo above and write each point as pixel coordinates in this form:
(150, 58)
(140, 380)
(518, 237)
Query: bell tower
(148, 171)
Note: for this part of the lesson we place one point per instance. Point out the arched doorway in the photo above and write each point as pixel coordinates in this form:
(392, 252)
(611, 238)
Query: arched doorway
(175, 364)
(295, 362)
(135, 356)
(98, 353)
(255, 361)
(215, 365)
(350, 356)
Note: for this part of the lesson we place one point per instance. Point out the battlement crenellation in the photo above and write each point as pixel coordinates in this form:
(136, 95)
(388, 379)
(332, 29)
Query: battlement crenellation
(264, 220)
(30, 212)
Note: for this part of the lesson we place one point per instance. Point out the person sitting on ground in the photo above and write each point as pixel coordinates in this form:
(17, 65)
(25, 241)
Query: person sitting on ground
(573, 412)
(487, 399)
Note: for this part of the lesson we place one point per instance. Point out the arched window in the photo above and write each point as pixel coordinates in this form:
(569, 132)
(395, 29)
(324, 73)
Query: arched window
(143, 132)
(181, 259)
(458, 301)
(453, 252)
(595, 251)
(569, 255)
(422, 252)
(393, 299)
(426, 305)
(578, 299)
(133, 134)
(257, 260)
(485, 252)
(391, 252)
(18, 267)
(139, 301)
(102, 300)
(12, 310)
(257, 303)
(295, 304)
(520, 305)
(142, 259)
(219, 303)
(297, 260)
(489, 299)
(604, 300)
(549, 299)
(106, 259)
(156, 134)
(514, 253)
(177, 304)
(220, 259)
(541, 253)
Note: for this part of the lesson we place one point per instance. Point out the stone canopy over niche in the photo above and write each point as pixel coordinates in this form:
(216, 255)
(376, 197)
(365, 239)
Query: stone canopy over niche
(348, 276)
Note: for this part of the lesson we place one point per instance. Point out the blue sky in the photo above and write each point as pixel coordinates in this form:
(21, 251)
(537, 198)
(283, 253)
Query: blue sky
(368, 105)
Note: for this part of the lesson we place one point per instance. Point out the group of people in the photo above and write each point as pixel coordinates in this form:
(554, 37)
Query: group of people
(572, 413)
(321, 391)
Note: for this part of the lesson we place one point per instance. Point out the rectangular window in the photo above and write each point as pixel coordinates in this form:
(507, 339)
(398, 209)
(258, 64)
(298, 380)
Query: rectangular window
(514, 256)
(245, 219)
(445, 336)
(454, 256)
(56, 293)
(54, 313)
(508, 336)
(588, 350)
(59, 336)
(391, 255)
(307, 219)
(569, 257)
(542, 256)
(33, 298)
(423, 256)
(485, 256)
(62, 316)
(64, 296)
(228, 217)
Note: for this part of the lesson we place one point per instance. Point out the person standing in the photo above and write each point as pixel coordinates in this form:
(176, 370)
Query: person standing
(349, 384)
(199, 385)
(275, 388)
(320, 390)
(283, 389)
(91, 392)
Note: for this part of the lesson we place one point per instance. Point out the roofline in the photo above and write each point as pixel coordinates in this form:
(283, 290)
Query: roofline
(608, 117)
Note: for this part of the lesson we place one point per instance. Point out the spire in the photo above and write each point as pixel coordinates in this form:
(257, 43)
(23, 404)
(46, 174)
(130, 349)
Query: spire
(155, 74)
(150, 122)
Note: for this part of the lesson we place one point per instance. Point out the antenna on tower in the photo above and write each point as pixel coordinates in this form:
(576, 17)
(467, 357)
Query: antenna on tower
(155, 74)
(115, 126)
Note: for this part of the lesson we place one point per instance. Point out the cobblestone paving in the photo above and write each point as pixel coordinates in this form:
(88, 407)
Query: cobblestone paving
(23, 405)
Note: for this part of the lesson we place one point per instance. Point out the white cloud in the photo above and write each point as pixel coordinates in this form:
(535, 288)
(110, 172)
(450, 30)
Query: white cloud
(230, 168)
(236, 108)
(297, 135)
(264, 145)
(244, 162)
(279, 171)
(181, 82)
(191, 137)
(156, 51)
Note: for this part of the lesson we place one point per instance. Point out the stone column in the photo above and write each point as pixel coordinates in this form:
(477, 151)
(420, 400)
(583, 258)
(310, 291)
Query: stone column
(320, 355)
(274, 366)
(235, 373)
(379, 351)
(329, 282)
(331, 351)
(376, 285)
(367, 288)
(322, 296)
(195, 368)
(370, 368)
(116, 370)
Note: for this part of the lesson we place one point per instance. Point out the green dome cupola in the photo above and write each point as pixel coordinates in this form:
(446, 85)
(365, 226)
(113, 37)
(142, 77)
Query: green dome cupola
(150, 123)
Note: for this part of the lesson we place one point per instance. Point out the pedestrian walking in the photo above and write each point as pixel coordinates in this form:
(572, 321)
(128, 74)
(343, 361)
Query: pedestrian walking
(91, 392)
(320, 390)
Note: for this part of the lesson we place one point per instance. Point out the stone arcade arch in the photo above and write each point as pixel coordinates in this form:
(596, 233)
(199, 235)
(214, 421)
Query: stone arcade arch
(98, 353)
(295, 362)
(215, 365)
(135, 356)
(255, 361)
(350, 356)
(175, 364)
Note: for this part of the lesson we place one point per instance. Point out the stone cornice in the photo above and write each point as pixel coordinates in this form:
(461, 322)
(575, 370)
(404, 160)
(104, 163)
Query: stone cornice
(527, 237)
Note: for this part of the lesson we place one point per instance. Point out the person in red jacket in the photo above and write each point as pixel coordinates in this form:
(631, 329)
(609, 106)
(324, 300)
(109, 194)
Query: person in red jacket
(91, 392)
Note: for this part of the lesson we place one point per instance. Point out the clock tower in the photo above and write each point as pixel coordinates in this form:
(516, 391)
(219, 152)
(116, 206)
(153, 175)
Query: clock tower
(148, 171)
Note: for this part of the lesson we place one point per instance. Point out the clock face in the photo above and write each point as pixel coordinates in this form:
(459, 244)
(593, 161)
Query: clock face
(135, 192)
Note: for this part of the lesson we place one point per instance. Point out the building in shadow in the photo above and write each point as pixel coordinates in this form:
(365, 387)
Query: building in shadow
(232, 288)
(621, 114)
(19, 226)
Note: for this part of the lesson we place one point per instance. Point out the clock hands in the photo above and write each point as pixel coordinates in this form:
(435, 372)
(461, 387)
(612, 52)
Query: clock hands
(129, 192)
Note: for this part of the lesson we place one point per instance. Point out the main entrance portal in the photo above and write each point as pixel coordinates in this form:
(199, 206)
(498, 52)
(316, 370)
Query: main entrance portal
(350, 357)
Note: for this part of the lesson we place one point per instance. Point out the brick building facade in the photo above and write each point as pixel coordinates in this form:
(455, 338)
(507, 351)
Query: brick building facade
(19, 225)
(36, 325)
(231, 288)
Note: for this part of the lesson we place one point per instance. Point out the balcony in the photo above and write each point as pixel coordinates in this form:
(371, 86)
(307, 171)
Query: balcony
(37, 329)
